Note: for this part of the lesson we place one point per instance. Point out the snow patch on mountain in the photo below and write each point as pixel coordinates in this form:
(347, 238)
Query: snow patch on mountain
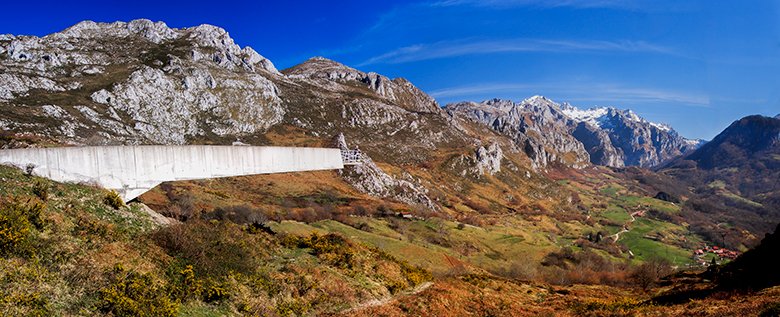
(661, 126)
(694, 143)
(597, 116)
(590, 116)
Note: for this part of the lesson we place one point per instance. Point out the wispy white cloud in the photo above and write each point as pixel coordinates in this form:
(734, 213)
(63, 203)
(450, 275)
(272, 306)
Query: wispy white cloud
(599, 93)
(444, 49)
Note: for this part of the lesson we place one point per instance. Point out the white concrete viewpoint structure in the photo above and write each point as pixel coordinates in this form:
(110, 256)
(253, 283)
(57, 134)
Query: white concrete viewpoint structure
(133, 170)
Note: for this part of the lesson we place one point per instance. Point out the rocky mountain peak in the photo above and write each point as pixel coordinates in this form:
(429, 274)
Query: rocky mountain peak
(322, 68)
(88, 42)
(538, 100)
(338, 77)
(155, 32)
(136, 82)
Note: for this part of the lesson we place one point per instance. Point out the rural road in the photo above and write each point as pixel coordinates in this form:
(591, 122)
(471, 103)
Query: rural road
(633, 215)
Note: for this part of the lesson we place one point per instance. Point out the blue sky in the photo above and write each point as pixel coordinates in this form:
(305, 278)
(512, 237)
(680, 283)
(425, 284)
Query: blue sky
(697, 65)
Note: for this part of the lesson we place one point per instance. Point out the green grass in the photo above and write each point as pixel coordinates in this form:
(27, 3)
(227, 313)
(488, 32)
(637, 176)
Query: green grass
(640, 202)
(611, 190)
(87, 199)
(644, 248)
(492, 248)
(741, 199)
(616, 214)
(429, 258)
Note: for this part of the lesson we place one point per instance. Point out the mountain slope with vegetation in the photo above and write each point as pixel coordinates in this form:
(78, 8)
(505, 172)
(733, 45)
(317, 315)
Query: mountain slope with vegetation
(735, 178)
(67, 251)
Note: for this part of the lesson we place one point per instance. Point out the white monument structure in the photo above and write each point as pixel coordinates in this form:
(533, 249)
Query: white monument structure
(133, 170)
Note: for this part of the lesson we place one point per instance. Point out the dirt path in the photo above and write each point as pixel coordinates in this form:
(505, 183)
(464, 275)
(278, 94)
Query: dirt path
(389, 298)
(633, 215)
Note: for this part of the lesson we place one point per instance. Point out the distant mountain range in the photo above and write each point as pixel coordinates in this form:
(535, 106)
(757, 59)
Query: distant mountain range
(552, 132)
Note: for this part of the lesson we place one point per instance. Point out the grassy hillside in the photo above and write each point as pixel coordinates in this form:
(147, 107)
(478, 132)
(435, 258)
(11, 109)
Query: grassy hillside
(66, 251)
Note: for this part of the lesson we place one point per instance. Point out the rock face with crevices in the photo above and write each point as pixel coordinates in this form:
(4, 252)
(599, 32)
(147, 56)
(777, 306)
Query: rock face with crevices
(139, 82)
(536, 125)
(550, 133)
(622, 138)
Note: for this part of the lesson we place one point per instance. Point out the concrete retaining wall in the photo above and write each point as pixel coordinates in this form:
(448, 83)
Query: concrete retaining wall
(133, 170)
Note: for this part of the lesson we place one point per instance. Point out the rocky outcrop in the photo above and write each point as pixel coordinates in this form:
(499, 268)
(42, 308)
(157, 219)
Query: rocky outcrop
(136, 82)
(536, 125)
(166, 104)
(370, 179)
(483, 161)
(488, 160)
(333, 76)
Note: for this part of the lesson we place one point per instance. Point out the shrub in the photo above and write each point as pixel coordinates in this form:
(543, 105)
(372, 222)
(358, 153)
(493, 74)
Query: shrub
(184, 285)
(185, 208)
(414, 274)
(41, 189)
(213, 248)
(215, 292)
(28, 169)
(585, 267)
(476, 206)
(133, 294)
(332, 248)
(293, 307)
(90, 225)
(522, 270)
(113, 199)
(17, 222)
(383, 211)
(360, 210)
(601, 307)
(648, 273)
(27, 304)
(473, 220)
(241, 214)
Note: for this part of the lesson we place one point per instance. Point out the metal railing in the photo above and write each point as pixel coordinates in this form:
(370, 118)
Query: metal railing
(352, 157)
